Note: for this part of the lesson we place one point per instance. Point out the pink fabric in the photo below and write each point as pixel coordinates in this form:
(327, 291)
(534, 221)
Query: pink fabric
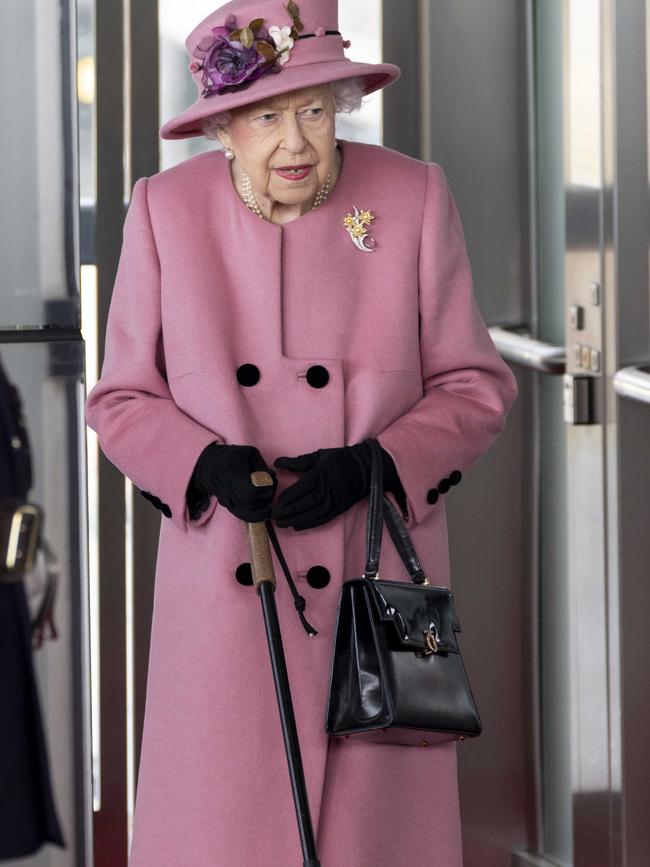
(203, 286)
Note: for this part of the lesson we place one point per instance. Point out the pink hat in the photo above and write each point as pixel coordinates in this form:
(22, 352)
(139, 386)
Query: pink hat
(248, 50)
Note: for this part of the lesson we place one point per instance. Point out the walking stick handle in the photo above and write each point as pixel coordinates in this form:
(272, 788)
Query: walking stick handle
(258, 537)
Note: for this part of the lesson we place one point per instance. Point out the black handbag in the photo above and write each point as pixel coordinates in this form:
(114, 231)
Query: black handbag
(397, 675)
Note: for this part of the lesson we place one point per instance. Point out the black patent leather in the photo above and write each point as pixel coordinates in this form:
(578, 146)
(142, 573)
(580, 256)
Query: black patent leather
(380, 690)
(409, 610)
(377, 682)
(380, 508)
(402, 541)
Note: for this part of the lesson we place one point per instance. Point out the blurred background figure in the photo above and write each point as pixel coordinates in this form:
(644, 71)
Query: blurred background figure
(28, 816)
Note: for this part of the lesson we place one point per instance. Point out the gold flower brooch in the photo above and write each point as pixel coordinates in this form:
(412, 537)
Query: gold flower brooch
(356, 226)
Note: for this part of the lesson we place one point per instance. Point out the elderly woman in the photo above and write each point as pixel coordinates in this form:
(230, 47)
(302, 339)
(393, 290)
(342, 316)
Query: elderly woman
(279, 299)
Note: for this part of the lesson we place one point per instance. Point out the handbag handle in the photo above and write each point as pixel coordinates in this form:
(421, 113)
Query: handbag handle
(380, 507)
(375, 519)
(403, 543)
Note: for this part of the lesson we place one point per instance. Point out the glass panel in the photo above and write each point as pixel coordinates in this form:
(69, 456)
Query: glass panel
(554, 598)
(38, 282)
(361, 24)
(585, 167)
(86, 100)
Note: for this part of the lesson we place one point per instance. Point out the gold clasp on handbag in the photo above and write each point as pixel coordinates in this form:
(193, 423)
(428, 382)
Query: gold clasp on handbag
(431, 638)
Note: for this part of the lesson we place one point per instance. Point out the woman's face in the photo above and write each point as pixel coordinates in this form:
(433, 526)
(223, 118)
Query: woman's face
(291, 129)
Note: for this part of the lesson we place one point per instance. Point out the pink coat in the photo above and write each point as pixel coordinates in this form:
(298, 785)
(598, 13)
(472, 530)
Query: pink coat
(338, 344)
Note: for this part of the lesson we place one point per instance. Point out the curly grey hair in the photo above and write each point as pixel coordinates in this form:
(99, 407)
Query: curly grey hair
(348, 94)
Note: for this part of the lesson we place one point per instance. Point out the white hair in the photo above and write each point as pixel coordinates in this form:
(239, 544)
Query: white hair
(346, 92)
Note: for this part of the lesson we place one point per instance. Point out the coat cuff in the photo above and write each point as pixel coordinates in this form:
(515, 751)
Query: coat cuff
(159, 458)
(202, 514)
(198, 504)
(432, 459)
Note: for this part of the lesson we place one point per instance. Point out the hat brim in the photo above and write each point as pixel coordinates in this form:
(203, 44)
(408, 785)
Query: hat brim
(188, 123)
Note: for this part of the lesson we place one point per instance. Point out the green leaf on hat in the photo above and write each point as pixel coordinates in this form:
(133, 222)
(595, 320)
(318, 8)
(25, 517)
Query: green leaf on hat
(266, 50)
(234, 34)
(247, 37)
(255, 24)
(292, 9)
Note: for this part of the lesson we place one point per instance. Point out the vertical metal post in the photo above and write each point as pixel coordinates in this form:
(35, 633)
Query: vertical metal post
(143, 147)
(110, 826)
(127, 148)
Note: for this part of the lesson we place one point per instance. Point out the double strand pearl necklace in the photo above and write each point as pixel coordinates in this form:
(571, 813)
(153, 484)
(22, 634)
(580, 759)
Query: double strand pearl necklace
(251, 201)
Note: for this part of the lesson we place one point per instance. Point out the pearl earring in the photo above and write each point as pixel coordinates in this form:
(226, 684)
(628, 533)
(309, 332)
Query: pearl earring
(230, 154)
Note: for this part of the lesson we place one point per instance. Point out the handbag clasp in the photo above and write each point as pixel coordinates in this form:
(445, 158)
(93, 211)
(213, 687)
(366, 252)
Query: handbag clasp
(431, 638)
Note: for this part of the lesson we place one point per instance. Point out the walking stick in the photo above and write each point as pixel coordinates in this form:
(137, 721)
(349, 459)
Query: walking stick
(264, 582)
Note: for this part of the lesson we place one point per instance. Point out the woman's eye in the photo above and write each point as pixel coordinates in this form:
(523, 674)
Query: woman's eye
(312, 112)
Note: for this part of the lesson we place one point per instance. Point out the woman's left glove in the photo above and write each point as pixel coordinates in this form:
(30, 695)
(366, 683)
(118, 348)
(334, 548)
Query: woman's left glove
(334, 480)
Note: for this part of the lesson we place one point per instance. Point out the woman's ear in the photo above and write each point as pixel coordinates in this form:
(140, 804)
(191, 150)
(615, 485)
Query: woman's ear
(224, 138)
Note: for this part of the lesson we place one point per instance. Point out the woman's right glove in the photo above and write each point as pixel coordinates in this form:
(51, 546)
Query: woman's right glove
(224, 470)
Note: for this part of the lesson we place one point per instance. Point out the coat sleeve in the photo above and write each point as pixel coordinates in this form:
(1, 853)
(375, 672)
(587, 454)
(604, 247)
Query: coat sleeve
(139, 427)
(468, 388)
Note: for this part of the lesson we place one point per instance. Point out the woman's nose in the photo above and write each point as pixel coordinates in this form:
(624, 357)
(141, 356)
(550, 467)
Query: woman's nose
(294, 139)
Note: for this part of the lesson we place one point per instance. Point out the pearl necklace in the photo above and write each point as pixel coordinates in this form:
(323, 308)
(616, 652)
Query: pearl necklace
(251, 201)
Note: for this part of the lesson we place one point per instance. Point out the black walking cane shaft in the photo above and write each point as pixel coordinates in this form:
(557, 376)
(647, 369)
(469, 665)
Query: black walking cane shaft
(264, 582)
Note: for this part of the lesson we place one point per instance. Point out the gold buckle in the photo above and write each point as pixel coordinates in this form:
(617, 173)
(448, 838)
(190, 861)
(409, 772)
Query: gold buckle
(432, 642)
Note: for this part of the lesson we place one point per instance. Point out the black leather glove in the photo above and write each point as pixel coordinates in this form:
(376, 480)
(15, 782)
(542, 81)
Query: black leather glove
(224, 470)
(334, 480)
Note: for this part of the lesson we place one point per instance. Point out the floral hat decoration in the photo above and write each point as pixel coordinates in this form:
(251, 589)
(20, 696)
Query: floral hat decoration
(249, 50)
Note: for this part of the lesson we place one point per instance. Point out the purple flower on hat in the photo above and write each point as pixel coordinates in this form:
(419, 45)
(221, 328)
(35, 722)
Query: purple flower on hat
(228, 63)
(233, 57)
